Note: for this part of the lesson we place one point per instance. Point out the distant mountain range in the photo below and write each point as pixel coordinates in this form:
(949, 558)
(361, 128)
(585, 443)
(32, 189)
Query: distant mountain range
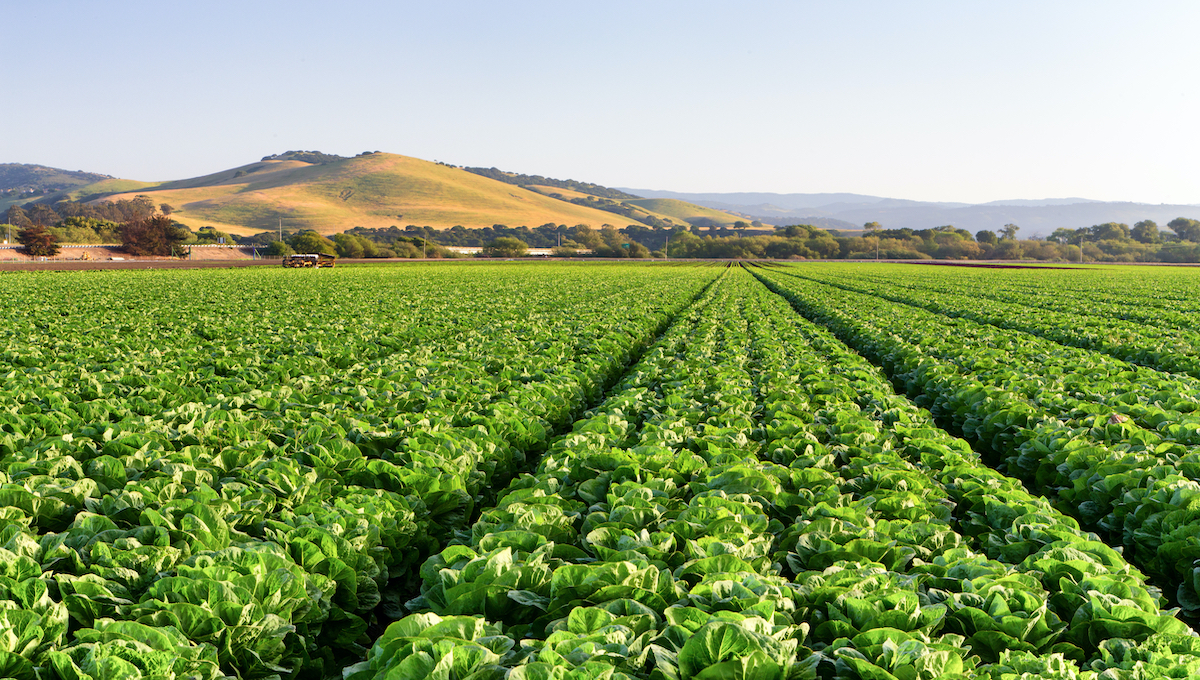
(1036, 217)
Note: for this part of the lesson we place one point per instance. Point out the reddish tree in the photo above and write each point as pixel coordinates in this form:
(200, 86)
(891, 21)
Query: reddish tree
(153, 235)
(38, 241)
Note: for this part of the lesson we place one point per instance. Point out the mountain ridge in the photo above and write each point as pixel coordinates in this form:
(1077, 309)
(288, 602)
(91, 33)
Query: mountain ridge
(1037, 217)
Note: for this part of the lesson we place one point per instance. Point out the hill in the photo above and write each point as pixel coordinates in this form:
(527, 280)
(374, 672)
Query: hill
(375, 190)
(538, 180)
(650, 212)
(850, 211)
(21, 182)
(623, 211)
(693, 214)
(41, 179)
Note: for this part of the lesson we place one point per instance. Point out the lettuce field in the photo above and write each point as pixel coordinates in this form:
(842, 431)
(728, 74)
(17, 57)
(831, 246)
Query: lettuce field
(595, 471)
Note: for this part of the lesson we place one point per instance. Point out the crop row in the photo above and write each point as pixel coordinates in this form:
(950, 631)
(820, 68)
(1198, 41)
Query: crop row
(753, 501)
(1131, 407)
(1160, 297)
(1032, 414)
(209, 510)
(1163, 348)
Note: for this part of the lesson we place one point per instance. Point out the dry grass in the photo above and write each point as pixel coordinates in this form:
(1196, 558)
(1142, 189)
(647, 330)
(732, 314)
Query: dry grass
(682, 210)
(373, 191)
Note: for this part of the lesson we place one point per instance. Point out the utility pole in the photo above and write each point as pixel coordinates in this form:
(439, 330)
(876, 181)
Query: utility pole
(281, 229)
(424, 242)
(1080, 247)
(667, 247)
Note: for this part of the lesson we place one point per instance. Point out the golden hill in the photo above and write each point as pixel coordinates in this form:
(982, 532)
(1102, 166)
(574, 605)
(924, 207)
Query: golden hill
(374, 191)
(668, 210)
(687, 212)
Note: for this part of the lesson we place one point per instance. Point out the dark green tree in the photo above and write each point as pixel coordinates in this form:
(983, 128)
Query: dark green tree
(1110, 231)
(1186, 229)
(212, 235)
(637, 250)
(985, 236)
(312, 242)
(278, 249)
(1146, 231)
(505, 246)
(348, 245)
(1062, 235)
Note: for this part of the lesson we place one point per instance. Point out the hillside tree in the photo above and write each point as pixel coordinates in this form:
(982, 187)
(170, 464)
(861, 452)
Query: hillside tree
(43, 215)
(17, 217)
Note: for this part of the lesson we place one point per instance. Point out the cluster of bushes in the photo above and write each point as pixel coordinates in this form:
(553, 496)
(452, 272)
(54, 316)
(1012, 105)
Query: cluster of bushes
(1104, 242)
(414, 242)
(537, 180)
(49, 215)
(347, 244)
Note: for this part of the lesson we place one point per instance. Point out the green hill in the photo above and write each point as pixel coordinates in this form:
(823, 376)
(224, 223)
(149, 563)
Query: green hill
(375, 190)
(22, 182)
(41, 179)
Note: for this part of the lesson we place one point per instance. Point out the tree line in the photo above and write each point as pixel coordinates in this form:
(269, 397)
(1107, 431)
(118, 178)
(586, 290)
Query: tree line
(144, 228)
(538, 180)
(415, 242)
(1110, 242)
(141, 227)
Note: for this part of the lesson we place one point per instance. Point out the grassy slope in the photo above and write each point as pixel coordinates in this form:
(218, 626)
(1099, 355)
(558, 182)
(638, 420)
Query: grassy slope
(670, 210)
(682, 210)
(614, 219)
(379, 190)
(565, 193)
(87, 191)
(109, 186)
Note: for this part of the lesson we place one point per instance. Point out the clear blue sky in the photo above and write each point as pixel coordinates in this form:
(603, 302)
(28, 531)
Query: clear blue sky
(954, 101)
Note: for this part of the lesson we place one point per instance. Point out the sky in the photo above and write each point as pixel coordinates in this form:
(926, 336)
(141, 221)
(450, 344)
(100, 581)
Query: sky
(936, 101)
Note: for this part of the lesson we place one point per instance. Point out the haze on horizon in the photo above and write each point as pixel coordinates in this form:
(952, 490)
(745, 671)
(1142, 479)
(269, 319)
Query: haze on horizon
(936, 101)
